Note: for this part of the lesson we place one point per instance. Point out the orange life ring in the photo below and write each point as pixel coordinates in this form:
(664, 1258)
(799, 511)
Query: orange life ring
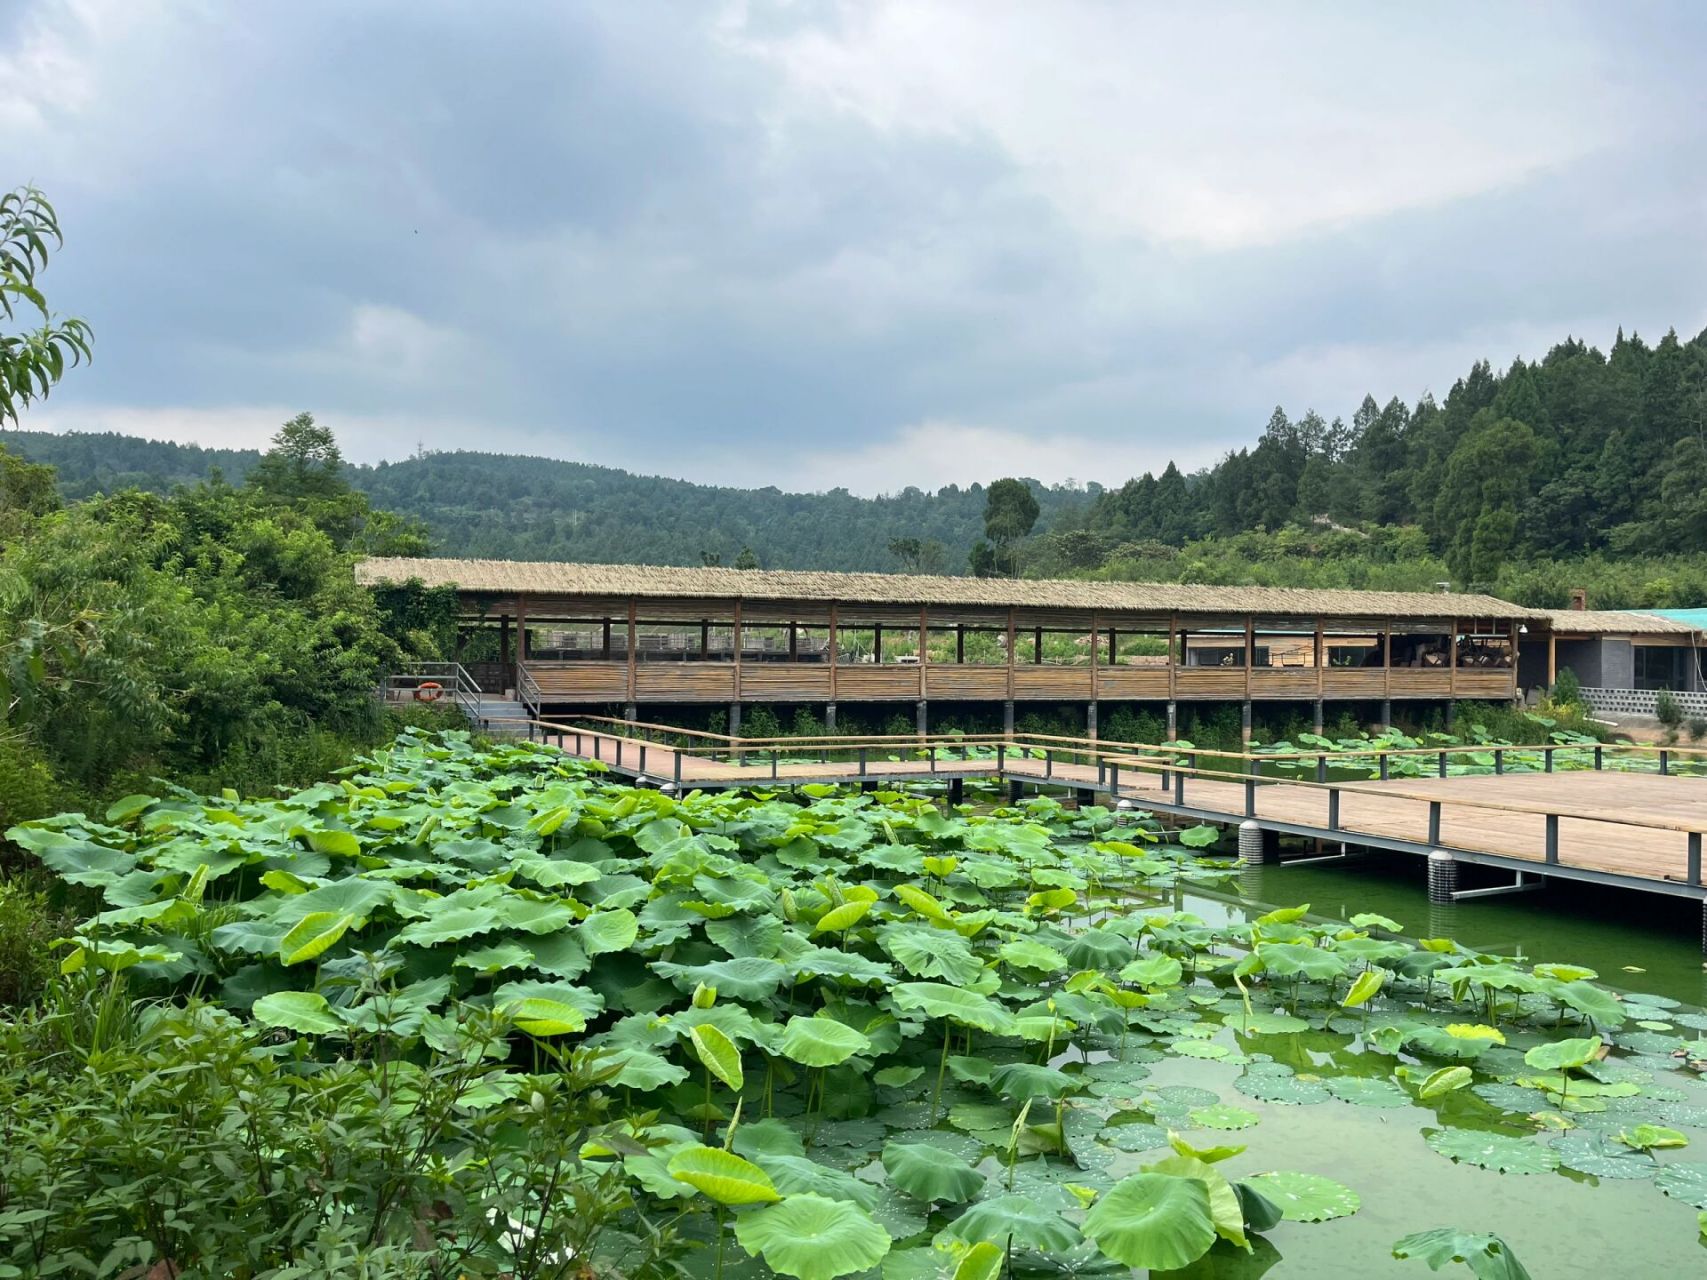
(429, 691)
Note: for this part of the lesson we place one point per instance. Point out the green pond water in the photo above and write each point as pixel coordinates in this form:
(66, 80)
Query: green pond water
(1559, 1224)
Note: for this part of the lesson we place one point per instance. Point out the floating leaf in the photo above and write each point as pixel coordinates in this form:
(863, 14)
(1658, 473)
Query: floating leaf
(1366, 1091)
(1223, 1116)
(1493, 1151)
(1685, 1182)
(1602, 1156)
(1307, 1197)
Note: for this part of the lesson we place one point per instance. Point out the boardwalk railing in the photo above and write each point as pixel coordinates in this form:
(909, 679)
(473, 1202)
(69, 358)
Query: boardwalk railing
(431, 681)
(1213, 784)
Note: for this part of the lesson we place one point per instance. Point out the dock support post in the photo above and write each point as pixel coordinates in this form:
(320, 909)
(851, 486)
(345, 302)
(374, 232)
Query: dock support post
(1320, 722)
(1257, 846)
(1016, 790)
(1451, 714)
(867, 787)
(734, 719)
(1386, 713)
(923, 717)
(1245, 721)
(830, 718)
(1442, 876)
(1173, 721)
(956, 791)
(631, 713)
(1008, 718)
(1091, 721)
(1084, 797)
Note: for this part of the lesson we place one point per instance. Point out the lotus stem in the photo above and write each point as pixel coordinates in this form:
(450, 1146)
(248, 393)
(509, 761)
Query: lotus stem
(941, 1070)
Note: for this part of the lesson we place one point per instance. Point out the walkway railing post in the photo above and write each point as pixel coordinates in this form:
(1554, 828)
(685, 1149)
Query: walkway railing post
(1552, 837)
(1599, 757)
(1001, 757)
(1694, 857)
(1179, 781)
(1665, 761)
(678, 774)
(1384, 770)
(1499, 761)
(862, 751)
(1547, 758)
(1433, 823)
(1334, 809)
(1321, 768)
(1114, 780)
(773, 764)
(1443, 764)
(642, 755)
(1250, 797)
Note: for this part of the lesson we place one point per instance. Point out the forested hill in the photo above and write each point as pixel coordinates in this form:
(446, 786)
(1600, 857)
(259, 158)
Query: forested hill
(510, 507)
(1580, 452)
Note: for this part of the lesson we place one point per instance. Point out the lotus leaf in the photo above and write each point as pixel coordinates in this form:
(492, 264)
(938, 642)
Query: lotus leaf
(1153, 1220)
(1493, 1151)
(821, 1042)
(929, 1173)
(1018, 1218)
(1488, 1257)
(938, 1000)
(1685, 1182)
(725, 1178)
(303, 1011)
(812, 1238)
(1307, 1197)
(1602, 1156)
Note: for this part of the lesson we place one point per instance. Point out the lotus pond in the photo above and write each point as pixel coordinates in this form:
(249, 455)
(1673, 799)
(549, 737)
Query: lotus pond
(844, 1033)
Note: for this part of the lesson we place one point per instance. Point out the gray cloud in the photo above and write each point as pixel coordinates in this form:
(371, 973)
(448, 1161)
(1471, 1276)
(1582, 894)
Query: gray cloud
(938, 241)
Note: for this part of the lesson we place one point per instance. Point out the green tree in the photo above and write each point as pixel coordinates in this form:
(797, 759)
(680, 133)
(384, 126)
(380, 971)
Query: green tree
(33, 361)
(1485, 484)
(304, 462)
(1010, 513)
(746, 560)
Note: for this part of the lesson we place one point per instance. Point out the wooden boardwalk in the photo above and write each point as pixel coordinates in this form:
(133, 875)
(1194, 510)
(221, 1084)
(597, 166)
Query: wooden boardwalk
(1626, 828)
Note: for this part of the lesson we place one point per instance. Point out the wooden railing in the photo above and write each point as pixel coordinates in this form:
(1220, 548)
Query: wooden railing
(1179, 772)
(615, 680)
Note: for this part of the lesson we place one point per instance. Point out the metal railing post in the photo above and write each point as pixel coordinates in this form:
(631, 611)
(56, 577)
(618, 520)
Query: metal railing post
(1334, 809)
(862, 751)
(1443, 764)
(1547, 758)
(1433, 823)
(1599, 757)
(1321, 768)
(677, 774)
(1665, 761)
(1552, 837)
(1179, 782)
(1499, 760)
(1384, 769)
(1250, 797)
(1694, 857)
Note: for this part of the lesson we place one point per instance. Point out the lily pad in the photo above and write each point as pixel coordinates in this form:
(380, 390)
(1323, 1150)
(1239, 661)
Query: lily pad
(1153, 1220)
(1287, 1090)
(1307, 1197)
(1686, 1182)
(1602, 1156)
(812, 1238)
(1366, 1091)
(1493, 1151)
(1223, 1116)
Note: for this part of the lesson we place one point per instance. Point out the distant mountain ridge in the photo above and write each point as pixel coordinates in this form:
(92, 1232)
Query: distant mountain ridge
(506, 506)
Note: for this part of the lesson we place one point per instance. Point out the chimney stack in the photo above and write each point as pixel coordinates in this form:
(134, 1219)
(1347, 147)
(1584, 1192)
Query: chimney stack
(1579, 598)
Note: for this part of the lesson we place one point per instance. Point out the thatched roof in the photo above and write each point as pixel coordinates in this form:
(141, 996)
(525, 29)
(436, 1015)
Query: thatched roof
(1613, 622)
(551, 578)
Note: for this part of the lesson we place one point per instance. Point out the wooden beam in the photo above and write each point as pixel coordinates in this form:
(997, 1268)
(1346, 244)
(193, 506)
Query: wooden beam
(735, 647)
(1321, 654)
(521, 630)
(1552, 660)
(1175, 659)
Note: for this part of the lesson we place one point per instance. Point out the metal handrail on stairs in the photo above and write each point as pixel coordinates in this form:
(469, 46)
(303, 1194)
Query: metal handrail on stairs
(452, 678)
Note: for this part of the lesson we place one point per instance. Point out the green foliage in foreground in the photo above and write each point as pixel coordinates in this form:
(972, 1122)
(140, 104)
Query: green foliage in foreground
(754, 997)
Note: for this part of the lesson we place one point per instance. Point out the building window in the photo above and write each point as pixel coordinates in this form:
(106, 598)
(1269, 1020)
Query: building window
(1659, 667)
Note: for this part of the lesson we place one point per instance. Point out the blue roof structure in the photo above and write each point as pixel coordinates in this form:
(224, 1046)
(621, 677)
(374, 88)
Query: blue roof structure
(1696, 618)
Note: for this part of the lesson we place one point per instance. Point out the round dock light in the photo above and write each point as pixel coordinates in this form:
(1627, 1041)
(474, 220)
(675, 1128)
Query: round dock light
(1123, 813)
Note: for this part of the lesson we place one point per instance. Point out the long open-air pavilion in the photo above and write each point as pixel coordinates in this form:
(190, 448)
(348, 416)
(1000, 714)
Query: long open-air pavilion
(580, 636)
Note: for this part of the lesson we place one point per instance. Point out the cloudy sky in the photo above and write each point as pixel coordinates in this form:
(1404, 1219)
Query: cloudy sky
(864, 244)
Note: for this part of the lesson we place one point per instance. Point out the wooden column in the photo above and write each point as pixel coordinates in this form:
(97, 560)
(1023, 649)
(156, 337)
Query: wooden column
(1321, 654)
(1250, 659)
(960, 643)
(605, 653)
(704, 639)
(794, 642)
(1113, 648)
(833, 644)
(504, 642)
(1176, 655)
(924, 653)
(1096, 654)
(735, 653)
(633, 613)
(1452, 660)
(1387, 659)
(877, 644)
(1013, 639)
(1037, 646)
(1552, 659)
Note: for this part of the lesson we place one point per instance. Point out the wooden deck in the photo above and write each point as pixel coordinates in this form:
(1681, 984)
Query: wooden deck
(1624, 828)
